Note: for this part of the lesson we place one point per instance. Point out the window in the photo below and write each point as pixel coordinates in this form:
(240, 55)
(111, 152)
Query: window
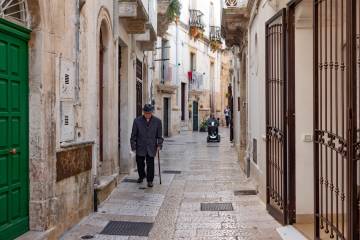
(164, 57)
(192, 62)
(211, 14)
(14, 10)
(139, 73)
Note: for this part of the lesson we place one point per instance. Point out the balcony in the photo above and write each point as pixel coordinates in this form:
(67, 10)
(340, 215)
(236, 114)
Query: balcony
(163, 20)
(196, 83)
(234, 21)
(148, 38)
(215, 38)
(134, 14)
(168, 82)
(196, 24)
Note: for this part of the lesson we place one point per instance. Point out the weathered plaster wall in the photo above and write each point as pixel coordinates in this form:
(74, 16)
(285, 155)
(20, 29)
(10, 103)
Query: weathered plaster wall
(59, 205)
(256, 91)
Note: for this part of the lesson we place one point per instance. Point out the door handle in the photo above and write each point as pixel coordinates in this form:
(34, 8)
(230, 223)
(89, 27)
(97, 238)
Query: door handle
(12, 151)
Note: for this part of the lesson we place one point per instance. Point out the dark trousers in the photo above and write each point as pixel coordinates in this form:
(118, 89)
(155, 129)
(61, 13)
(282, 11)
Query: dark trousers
(227, 121)
(140, 161)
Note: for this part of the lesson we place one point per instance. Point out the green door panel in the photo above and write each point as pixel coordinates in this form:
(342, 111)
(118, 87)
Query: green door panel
(14, 163)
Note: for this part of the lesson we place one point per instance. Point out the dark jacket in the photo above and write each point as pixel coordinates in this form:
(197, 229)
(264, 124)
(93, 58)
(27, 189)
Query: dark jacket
(146, 136)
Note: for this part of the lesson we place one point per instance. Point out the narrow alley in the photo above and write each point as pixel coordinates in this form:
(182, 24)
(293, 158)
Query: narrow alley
(89, 90)
(209, 173)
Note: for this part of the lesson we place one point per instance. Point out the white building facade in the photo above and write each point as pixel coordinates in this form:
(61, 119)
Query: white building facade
(187, 78)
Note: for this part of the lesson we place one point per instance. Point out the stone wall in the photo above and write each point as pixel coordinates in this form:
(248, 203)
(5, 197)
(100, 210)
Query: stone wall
(59, 202)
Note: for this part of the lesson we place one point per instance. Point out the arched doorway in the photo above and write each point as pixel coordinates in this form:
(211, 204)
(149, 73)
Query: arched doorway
(14, 110)
(106, 92)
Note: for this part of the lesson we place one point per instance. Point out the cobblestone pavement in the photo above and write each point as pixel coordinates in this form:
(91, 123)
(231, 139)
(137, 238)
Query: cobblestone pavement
(210, 174)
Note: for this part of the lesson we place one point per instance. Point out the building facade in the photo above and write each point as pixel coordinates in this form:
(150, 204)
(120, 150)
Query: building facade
(188, 64)
(297, 75)
(73, 77)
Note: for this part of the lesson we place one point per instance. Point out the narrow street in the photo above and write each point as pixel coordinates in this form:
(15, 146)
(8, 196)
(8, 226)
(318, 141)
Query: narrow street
(210, 173)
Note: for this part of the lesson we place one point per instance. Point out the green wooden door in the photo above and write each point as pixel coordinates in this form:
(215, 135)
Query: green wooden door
(195, 116)
(14, 170)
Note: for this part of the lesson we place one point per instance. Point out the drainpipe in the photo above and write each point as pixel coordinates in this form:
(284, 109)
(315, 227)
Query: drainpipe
(77, 53)
(177, 61)
(145, 83)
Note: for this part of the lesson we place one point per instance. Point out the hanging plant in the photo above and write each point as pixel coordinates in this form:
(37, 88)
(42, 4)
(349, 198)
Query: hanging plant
(173, 10)
(215, 45)
(194, 32)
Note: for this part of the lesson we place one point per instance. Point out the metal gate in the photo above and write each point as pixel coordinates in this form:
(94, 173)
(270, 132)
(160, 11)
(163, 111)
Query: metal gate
(276, 164)
(337, 101)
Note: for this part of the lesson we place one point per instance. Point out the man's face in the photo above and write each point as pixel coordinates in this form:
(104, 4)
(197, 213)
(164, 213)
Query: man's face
(147, 115)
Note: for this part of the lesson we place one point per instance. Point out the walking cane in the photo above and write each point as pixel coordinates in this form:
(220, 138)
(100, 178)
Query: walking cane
(159, 164)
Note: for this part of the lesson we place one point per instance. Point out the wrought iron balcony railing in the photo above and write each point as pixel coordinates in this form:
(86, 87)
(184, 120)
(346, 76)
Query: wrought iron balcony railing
(196, 19)
(234, 3)
(215, 34)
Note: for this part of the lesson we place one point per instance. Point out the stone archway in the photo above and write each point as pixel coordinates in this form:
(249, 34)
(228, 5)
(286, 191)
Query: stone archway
(107, 144)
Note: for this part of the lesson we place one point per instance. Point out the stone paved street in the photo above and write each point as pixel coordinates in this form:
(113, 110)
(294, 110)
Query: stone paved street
(210, 174)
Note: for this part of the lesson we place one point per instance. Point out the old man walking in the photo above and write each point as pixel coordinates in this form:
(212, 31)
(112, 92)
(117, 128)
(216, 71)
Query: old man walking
(146, 139)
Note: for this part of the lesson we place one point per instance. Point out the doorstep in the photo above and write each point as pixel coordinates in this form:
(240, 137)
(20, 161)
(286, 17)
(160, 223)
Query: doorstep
(106, 185)
(290, 233)
(37, 235)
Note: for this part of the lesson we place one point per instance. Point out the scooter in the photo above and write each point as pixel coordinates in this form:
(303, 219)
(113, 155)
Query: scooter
(213, 132)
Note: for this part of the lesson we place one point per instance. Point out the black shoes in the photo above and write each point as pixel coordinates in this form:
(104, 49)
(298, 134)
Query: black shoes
(140, 180)
(150, 184)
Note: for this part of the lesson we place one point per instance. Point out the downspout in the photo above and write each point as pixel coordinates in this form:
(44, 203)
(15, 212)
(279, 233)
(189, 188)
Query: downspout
(177, 61)
(145, 83)
(77, 53)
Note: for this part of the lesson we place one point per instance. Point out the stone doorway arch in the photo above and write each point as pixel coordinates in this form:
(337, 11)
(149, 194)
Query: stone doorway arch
(107, 90)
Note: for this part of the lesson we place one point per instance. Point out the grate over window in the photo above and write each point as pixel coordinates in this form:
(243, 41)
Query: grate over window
(139, 70)
(67, 79)
(66, 120)
(14, 11)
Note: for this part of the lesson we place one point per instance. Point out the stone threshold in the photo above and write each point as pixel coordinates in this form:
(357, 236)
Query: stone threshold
(290, 233)
(105, 186)
(37, 235)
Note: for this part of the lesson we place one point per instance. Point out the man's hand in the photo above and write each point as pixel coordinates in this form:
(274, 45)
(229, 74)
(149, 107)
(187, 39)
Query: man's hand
(132, 153)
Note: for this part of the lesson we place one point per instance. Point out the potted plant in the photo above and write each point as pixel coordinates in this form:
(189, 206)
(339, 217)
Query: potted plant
(194, 32)
(215, 45)
(173, 10)
(203, 125)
